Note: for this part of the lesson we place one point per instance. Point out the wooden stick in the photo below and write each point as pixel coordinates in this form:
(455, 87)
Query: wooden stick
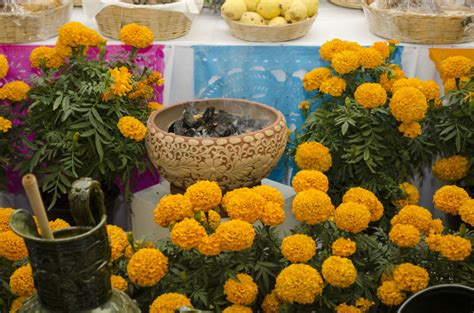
(32, 191)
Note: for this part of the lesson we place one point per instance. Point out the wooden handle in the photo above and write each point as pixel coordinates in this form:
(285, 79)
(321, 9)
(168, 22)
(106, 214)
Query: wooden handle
(32, 191)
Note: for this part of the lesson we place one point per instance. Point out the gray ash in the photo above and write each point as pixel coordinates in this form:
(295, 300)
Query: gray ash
(212, 123)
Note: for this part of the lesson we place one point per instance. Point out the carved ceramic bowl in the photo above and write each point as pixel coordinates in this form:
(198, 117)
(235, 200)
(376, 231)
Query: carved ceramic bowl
(233, 162)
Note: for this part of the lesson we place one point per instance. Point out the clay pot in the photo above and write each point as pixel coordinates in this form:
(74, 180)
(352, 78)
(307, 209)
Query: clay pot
(233, 162)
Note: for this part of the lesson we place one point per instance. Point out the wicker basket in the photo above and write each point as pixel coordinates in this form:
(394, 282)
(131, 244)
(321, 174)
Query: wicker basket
(263, 33)
(351, 4)
(414, 27)
(78, 3)
(164, 24)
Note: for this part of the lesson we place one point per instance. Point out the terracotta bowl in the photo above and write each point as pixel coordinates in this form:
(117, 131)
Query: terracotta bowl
(233, 162)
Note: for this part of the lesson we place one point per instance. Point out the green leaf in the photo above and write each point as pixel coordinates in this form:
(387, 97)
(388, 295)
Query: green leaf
(98, 146)
(57, 102)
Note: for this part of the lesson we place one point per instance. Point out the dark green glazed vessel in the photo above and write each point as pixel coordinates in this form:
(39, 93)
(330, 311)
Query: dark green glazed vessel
(72, 272)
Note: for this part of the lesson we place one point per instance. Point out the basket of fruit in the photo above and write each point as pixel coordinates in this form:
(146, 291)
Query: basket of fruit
(269, 20)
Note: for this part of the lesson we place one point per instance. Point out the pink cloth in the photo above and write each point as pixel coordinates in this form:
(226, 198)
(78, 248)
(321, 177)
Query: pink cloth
(18, 57)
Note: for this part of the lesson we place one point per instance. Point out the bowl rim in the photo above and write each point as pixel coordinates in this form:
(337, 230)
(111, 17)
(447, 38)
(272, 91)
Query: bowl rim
(278, 114)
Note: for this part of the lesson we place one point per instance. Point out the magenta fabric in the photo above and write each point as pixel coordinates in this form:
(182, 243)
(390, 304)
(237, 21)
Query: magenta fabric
(18, 57)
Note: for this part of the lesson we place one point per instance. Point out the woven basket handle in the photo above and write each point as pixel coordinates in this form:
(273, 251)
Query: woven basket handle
(87, 202)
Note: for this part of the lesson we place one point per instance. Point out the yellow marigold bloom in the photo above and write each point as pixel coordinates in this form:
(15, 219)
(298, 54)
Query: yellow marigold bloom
(5, 214)
(333, 86)
(352, 217)
(12, 247)
(62, 49)
(451, 169)
(330, 48)
(136, 36)
(466, 211)
(370, 95)
(312, 206)
(408, 82)
(74, 34)
(366, 197)
(450, 84)
(154, 106)
(409, 277)
(3, 66)
(122, 81)
(393, 42)
(15, 91)
(235, 235)
(243, 204)
(404, 236)
(343, 247)
(364, 304)
(430, 89)
(187, 234)
(455, 248)
(387, 81)
(118, 240)
(118, 282)
(141, 90)
(313, 156)
(270, 193)
(450, 198)
(433, 242)
(17, 304)
(5, 124)
(129, 252)
(370, 58)
(46, 55)
(410, 130)
(204, 195)
(21, 281)
(345, 62)
(213, 219)
(298, 248)
(310, 179)
(155, 78)
(412, 195)
(304, 105)
(171, 209)
(271, 303)
(408, 105)
(382, 48)
(147, 267)
(339, 272)
(272, 214)
(131, 128)
(390, 294)
(314, 78)
(237, 308)
(455, 67)
(169, 303)
(344, 308)
(210, 245)
(242, 291)
(58, 224)
(436, 226)
(298, 283)
(414, 215)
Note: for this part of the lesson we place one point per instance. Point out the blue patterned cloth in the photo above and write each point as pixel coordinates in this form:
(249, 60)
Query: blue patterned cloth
(268, 74)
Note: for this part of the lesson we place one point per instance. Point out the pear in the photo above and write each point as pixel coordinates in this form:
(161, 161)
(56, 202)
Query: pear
(269, 8)
(252, 5)
(311, 6)
(296, 12)
(285, 4)
(234, 9)
(252, 18)
(279, 20)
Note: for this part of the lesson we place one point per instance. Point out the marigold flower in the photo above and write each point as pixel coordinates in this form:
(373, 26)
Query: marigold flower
(430, 89)
(450, 84)
(15, 91)
(466, 211)
(129, 252)
(436, 226)
(298, 248)
(5, 124)
(62, 49)
(118, 282)
(210, 245)
(387, 81)
(154, 106)
(450, 198)
(344, 308)
(3, 66)
(330, 48)
(5, 214)
(455, 67)
(414, 215)
(21, 281)
(455, 248)
(213, 219)
(136, 36)
(343, 247)
(313, 156)
(408, 105)
(345, 62)
(122, 81)
(312, 206)
(17, 304)
(314, 78)
(333, 86)
(118, 240)
(237, 308)
(242, 291)
(204, 195)
(75, 34)
(339, 272)
(270, 193)
(187, 234)
(304, 105)
(12, 247)
(412, 196)
(408, 82)
(370, 95)
(243, 204)
(366, 197)
(141, 90)
(272, 214)
(382, 48)
(404, 236)
(299, 283)
(235, 235)
(310, 179)
(411, 277)
(47, 56)
(352, 217)
(390, 294)
(271, 303)
(370, 58)
(433, 242)
(451, 169)
(155, 79)
(364, 304)
(147, 267)
(131, 128)
(171, 209)
(169, 303)
(410, 130)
